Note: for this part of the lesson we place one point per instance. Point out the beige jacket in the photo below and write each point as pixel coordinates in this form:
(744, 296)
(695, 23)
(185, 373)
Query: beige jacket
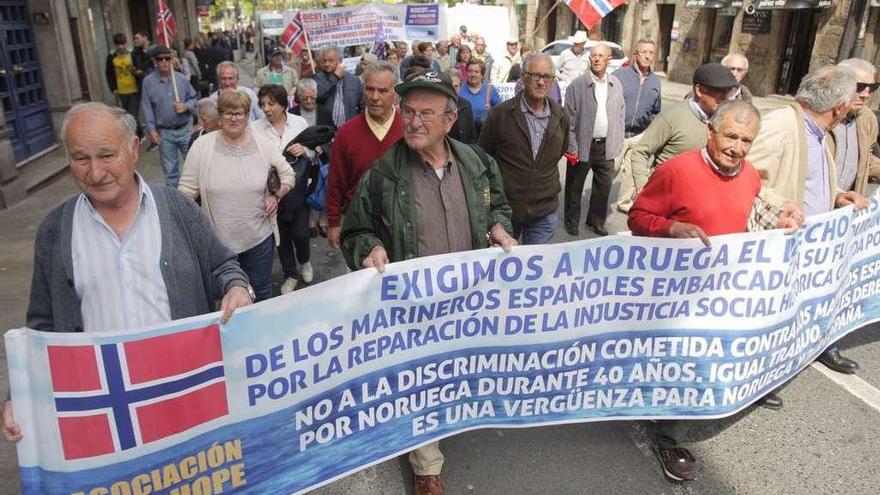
(779, 154)
(869, 165)
(199, 160)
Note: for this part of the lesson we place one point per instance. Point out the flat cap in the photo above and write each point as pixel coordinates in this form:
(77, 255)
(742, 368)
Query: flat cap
(714, 76)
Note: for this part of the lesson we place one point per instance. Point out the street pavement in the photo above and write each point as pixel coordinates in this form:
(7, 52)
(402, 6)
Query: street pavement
(825, 440)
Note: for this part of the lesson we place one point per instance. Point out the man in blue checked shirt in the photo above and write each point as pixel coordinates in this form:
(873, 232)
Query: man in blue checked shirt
(168, 112)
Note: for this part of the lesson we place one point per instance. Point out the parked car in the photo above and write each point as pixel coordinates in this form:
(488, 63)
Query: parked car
(618, 56)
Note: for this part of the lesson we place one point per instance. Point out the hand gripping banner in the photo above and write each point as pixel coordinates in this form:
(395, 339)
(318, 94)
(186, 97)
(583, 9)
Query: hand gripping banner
(309, 387)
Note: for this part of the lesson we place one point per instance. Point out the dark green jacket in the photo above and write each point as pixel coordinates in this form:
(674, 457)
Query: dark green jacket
(487, 205)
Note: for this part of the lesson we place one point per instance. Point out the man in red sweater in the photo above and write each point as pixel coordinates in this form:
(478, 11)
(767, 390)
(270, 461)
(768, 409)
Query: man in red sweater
(697, 194)
(361, 141)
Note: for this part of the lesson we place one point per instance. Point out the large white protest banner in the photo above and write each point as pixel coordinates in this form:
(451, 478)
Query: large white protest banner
(357, 25)
(306, 388)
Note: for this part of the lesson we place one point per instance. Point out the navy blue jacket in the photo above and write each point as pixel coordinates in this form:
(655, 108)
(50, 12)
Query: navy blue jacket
(642, 100)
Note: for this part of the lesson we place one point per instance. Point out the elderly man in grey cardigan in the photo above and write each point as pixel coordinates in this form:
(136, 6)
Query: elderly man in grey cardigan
(123, 254)
(596, 109)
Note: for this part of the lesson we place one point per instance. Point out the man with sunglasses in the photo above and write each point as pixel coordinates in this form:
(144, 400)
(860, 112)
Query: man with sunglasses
(527, 135)
(851, 142)
(168, 112)
(426, 195)
(796, 158)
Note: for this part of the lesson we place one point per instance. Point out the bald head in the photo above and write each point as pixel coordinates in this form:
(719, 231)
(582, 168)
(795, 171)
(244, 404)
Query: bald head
(737, 64)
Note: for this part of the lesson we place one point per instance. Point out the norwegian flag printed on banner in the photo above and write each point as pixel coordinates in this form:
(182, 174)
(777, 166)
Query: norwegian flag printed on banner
(294, 36)
(591, 12)
(114, 397)
(166, 26)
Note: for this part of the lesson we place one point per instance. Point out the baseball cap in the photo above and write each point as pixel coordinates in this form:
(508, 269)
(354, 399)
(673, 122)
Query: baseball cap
(433, 80)
(276, 50)
(714, 76)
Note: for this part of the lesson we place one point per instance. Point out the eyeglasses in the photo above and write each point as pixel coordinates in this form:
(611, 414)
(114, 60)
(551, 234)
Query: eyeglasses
(163, 59)
(234, 115)
(737, 69)
(540, 77)
(307, 98)
(426, 116)
(871, 87)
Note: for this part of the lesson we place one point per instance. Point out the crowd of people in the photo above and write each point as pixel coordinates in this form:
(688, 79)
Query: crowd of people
(416, 155)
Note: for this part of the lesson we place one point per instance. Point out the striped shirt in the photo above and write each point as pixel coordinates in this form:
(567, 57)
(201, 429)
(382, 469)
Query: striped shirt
(119, 281)
(537, 123)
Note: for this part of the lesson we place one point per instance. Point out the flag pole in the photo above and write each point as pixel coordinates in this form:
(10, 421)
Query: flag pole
(308, 46)
(544, 19)
(168, 45)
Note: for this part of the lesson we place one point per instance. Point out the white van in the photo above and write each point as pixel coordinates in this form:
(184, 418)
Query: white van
(269, 26)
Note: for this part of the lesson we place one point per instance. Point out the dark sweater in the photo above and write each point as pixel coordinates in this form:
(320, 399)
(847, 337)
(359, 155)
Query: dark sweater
(354, 151)
(532, 184)
(196, 267)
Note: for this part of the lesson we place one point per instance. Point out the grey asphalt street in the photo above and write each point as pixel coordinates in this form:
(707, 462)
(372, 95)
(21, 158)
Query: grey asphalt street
(825, 440)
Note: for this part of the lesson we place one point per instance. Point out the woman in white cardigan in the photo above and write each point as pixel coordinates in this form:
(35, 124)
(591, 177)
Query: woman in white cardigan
(228, 171)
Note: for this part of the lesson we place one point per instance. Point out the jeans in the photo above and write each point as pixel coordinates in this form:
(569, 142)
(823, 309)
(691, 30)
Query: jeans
(172, 150)
(257, 264)
(294, 231)
(537, 230)
(576, 175)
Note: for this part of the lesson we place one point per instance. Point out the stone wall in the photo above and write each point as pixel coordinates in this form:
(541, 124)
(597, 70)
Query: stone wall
(831, 22)
(764, 52)
(686, 53)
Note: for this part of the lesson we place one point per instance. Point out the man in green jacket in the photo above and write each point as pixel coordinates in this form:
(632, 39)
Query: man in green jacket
(426, 195)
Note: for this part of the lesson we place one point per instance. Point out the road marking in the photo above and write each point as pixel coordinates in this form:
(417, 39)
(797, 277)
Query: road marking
(852, 384)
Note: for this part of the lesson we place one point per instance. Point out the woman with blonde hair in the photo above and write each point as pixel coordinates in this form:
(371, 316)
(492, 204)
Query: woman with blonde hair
(228, 171)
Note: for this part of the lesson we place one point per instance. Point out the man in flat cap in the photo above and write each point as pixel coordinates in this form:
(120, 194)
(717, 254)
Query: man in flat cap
(168, 103)
(682, 127)
(426, 195)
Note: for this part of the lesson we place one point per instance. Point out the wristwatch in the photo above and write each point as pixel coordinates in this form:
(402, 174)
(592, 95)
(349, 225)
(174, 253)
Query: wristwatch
(248, 287)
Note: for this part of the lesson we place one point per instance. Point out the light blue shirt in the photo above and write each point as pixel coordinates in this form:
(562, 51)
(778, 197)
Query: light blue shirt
(157, 101)
(119, 281)
(817, 188)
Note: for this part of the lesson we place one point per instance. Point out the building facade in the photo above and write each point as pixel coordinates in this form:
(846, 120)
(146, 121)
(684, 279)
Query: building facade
(52, 56)
(783, 39)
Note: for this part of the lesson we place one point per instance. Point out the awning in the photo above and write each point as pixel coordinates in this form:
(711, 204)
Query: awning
(792, 4)
(706, 4)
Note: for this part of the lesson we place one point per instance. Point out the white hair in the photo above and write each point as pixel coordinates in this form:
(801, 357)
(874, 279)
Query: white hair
(731, 56)
(858, 65)
(127, 124)
(826, 87)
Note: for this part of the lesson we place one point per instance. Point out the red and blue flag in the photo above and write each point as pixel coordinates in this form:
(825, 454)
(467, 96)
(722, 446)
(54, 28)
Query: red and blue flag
(294, 36)
(114, 397)
(591, 12)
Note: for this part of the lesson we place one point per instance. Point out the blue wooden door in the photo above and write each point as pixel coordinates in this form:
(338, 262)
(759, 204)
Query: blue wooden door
(21, 83)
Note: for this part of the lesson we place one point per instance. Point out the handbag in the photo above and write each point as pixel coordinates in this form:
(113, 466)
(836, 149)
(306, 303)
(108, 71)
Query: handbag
(273, 182)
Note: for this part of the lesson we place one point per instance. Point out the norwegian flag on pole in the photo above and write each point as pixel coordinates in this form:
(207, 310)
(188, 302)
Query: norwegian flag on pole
(294, 36)
(591, 12)
(166, 26)
(114, 397)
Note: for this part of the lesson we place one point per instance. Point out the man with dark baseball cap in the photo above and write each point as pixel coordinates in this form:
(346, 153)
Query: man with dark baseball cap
(682, 127)
(427, 195)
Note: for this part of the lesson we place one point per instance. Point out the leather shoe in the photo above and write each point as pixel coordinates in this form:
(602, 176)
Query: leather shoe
(428, 485)
(572, 230)
(677, 462)
(599, 231)
(771, 401)
(836, 362)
